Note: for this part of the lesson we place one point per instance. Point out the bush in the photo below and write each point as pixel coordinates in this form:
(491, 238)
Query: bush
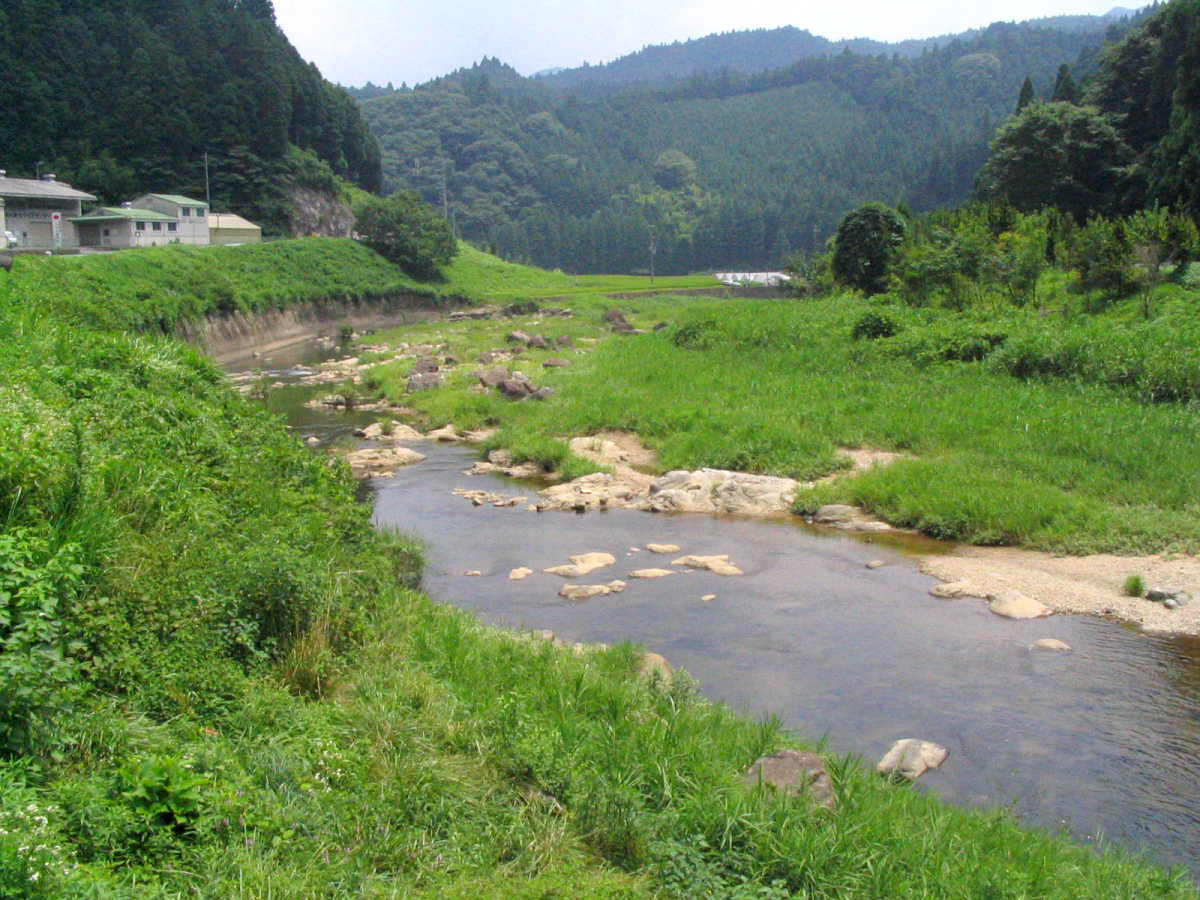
(873, 325)
(36, 675)
(865, 247)
(404, 230)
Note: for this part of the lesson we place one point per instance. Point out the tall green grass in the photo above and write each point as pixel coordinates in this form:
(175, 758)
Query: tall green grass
(1073, 458)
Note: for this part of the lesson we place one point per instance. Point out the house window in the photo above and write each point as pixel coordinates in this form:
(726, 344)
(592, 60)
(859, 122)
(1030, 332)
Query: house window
(170, 226)
(141, 226)
(187, 210)
(200, 211)
(157, 226)
(106, 232)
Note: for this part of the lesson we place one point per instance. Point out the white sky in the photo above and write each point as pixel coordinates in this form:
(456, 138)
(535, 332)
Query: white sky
(356, 41)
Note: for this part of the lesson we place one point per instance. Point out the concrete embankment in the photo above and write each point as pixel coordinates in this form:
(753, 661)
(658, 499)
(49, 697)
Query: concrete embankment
(230, 336)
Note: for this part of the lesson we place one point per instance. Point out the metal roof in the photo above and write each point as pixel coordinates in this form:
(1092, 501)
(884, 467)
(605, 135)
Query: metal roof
(177, 199)
(113, 212)
(29, 188)
(229, 220)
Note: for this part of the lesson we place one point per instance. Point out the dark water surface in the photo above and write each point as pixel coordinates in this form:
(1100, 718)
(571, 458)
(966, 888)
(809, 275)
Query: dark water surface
(1104, 740)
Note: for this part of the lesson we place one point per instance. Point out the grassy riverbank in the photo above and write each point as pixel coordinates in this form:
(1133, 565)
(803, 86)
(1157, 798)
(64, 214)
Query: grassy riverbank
(1074, 433)
(221, 681)
(157, 288)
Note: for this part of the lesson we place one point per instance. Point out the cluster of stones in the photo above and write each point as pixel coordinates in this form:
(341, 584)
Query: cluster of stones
(1170, 597)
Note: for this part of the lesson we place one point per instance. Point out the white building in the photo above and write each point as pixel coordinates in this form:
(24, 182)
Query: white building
(191, 215)
(36, 213)
(123, 228)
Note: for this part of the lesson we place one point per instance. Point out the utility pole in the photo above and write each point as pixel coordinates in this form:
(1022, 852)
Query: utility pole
(445, 198)
(207, 196)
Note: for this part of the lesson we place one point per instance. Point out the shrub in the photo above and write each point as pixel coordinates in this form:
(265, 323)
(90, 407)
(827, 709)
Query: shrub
(36, 675)
(1134, 586)
(873, 325)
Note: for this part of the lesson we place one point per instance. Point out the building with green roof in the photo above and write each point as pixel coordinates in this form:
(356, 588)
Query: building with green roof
(191, 215)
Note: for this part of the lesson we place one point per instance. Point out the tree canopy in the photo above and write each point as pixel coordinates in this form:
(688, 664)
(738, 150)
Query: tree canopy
(404, 230)
(865, 247)
(1056, 154)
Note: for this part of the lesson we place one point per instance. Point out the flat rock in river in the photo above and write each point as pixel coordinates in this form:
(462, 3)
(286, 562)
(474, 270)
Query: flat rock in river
(1015, 605)
(381, 462)
(651, 573)
(578, 592)
(663, 548)
(583, 564)
(718, 565)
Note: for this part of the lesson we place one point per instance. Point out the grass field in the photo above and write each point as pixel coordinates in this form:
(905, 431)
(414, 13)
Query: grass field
(1075, 435)
(219, 680)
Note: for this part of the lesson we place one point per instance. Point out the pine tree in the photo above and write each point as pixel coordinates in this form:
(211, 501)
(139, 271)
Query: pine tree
(1065, 89)
(1026, 96)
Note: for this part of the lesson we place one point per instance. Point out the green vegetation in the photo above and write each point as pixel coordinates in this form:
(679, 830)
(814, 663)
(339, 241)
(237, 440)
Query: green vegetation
(732, 152)
(1134, 586)
(125, 98)
(1066, 457)
(404, 230)
(865, 247)
(220, 681)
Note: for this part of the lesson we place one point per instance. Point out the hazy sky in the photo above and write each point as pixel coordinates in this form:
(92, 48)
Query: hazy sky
(355, 41)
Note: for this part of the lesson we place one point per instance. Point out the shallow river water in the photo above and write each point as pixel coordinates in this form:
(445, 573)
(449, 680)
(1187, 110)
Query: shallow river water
(1103, 741)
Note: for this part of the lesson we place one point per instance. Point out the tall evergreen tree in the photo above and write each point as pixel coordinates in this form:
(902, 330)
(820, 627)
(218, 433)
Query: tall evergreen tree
(1065, 89)
(1026, 96)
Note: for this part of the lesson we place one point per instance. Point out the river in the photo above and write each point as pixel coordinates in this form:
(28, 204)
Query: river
(1102, 741)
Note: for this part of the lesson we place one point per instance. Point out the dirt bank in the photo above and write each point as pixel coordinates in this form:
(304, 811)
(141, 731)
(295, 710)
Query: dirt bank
(1076, 584)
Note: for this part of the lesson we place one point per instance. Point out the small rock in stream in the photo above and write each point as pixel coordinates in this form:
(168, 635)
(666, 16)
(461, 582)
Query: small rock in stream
(1049, 644)
(911, 758)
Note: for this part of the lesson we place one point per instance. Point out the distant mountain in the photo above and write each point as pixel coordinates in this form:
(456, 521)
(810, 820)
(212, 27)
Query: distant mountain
(732, 166)
(763, 49)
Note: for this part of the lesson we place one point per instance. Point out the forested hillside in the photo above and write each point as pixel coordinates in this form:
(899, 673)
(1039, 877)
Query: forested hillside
(721, 169)
(770, 48)
(120, 97)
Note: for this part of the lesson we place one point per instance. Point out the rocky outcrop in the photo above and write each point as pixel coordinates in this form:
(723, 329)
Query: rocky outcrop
(721, 491)
(319, 213)
(791, 773)
(651, 573)
(663, 548)
(596, 491)
(911, 758)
